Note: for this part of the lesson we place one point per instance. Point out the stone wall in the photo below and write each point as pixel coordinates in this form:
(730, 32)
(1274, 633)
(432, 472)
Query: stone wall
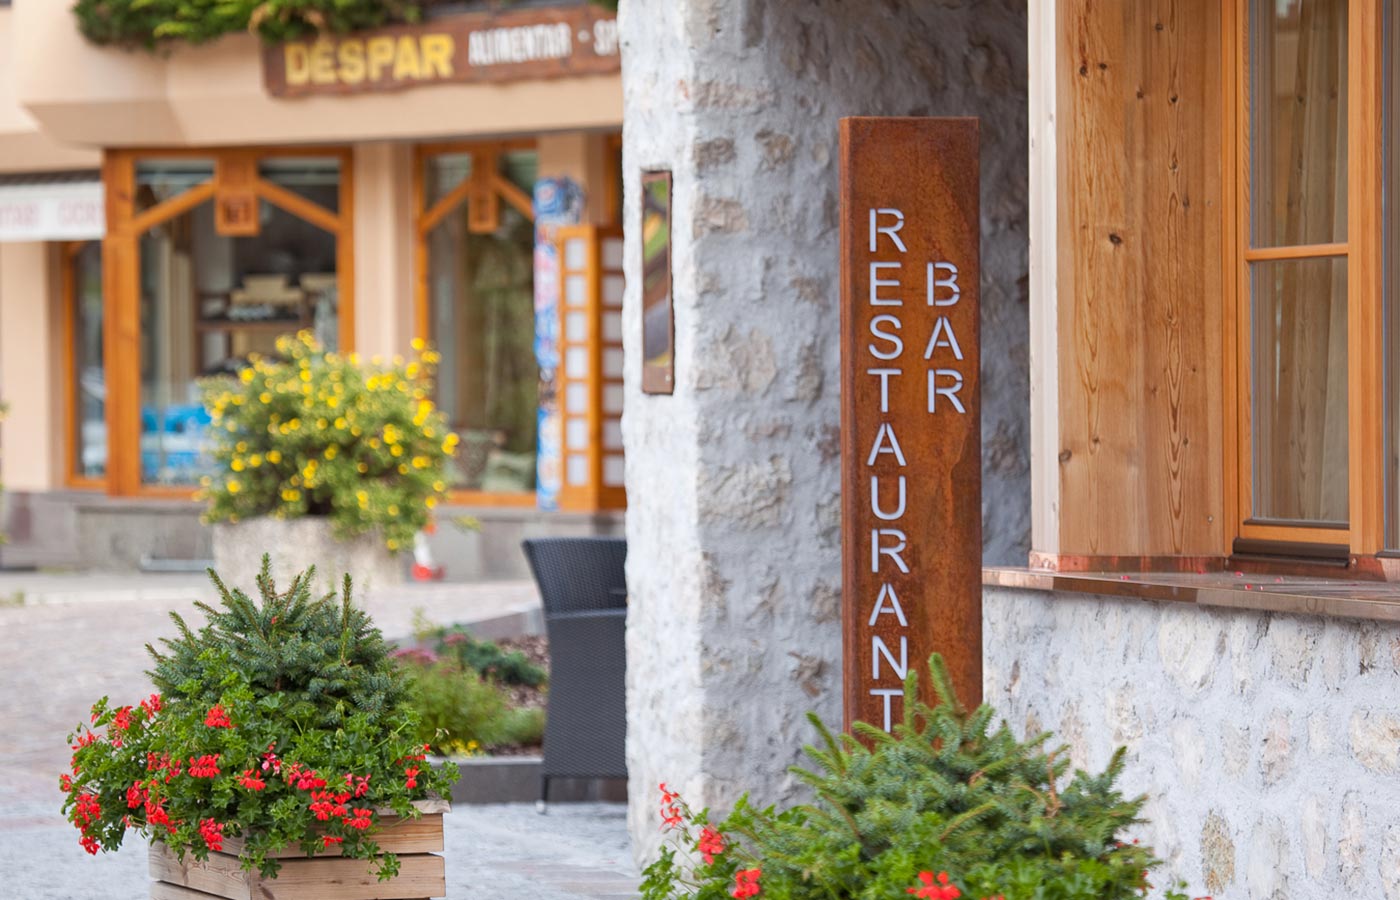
(733, 523)
(1269, 744)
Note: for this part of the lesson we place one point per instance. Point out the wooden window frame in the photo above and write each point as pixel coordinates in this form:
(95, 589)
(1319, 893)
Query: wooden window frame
(1364, 533)
(121, 279)
(424, 220)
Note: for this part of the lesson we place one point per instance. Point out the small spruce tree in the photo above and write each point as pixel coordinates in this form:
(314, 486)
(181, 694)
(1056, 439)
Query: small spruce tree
(327, 655)
(946, 792)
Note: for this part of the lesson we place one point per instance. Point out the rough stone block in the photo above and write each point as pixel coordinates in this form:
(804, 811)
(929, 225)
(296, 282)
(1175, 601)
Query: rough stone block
(1375, 740)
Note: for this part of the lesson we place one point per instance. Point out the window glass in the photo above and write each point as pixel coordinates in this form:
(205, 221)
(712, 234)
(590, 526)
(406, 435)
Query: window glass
(161, 180)
(482, 320)
(1299, 381)
(1298, 122)
(315, 178)
(445, 172)
(88, 383)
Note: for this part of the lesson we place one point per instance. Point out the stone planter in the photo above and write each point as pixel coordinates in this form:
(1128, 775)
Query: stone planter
(295, 544)
(418, 843)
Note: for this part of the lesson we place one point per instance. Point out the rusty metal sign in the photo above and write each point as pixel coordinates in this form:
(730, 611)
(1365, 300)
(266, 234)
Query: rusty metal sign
(911, 447)
(548, 42)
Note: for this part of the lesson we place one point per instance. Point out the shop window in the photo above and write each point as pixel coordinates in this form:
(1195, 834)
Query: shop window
(87, 386)
(476, 226)
(213, 260)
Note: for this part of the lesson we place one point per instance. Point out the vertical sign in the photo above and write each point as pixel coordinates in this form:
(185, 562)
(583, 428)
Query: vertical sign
(911, 446)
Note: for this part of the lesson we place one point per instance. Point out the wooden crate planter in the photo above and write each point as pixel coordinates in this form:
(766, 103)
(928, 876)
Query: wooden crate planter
(326, 876)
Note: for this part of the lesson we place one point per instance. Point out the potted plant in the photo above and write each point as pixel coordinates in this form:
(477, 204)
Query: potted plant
(278, 746)
(945, 807)
(324, 459)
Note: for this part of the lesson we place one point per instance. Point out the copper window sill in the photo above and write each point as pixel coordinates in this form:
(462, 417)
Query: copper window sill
(1342, 597)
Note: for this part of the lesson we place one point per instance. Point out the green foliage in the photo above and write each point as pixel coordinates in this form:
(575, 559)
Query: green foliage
(321, 434)
(485, 657)
(456, 685)
(282, 721)
(522, 726)
(154, 23)
(458, 711)
(151, 23)
(945, 793)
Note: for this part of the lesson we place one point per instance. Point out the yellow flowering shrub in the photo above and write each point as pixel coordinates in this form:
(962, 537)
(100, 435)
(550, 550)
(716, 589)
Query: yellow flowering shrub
(323, 434)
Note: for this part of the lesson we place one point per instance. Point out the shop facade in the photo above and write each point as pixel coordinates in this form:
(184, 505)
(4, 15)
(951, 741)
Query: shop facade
(456, 182)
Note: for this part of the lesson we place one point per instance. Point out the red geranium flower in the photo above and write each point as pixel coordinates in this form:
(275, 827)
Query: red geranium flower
(217, 717)
(941, 891)
(711, 844)
(251, 781)
(746, 884)
(213, 834)
(206, 766)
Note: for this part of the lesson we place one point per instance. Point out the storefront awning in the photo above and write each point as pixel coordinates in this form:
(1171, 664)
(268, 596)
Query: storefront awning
(64, 206)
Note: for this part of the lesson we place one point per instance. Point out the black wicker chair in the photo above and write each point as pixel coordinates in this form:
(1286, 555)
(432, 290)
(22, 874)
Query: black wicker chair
(584, 589)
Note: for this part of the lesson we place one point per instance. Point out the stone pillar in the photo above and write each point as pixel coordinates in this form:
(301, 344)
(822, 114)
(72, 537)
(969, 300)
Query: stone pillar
(733, 486)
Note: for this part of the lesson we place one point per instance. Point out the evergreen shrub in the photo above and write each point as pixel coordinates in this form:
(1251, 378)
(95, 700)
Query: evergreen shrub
(945, 807)
(282, 721)
(324, 434)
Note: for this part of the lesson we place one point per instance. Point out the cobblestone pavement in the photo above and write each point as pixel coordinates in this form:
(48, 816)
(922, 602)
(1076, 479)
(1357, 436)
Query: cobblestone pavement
(66, 640)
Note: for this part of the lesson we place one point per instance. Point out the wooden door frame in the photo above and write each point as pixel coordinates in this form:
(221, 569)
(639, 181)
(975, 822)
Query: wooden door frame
(121, 281)
(68, 252)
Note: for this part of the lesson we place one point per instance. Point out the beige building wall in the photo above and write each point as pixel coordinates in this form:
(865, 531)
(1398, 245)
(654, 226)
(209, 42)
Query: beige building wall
(22, 147)
(30, 446)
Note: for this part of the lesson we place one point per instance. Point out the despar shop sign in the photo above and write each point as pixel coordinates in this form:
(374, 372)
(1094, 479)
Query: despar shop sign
(473, 47)
(911, 446)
